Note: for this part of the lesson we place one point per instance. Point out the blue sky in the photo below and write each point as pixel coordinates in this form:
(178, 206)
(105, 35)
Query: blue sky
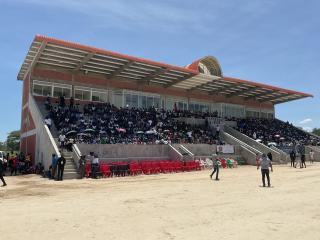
(273, 42)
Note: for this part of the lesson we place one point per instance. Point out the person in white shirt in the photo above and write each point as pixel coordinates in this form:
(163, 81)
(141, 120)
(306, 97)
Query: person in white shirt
(48, 122)
(311, 153)
(62, 139)
(95, 166)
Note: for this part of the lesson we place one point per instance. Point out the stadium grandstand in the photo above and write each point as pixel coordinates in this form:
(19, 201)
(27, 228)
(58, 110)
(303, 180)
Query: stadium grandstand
(131, 109)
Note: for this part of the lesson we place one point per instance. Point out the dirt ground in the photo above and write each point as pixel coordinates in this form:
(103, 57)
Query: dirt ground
(165, 206)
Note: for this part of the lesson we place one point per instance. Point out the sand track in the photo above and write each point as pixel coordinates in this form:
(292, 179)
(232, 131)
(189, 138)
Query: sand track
(165, 206)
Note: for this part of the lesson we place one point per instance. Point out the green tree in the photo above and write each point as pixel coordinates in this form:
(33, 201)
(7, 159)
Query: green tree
(3, 146)
(316, 131)
(13, 141)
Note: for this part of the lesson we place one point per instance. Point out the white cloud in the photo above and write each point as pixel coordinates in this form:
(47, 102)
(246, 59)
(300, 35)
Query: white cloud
(164, 15)
(306, 121)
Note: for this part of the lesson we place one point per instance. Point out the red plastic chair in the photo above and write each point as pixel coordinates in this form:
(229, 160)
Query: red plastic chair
(105, 170)
(178, 166)
(197, 165)
(146, 167)
(163, 166)
(156, 167)
(223, 163)
(135, 168)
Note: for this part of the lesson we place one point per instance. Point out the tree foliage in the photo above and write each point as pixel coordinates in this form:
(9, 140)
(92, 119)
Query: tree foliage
(316, 131)
(3, 146)
(13, 141)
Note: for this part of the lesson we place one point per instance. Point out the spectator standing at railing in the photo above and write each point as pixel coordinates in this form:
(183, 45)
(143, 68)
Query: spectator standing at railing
(62, 139)
(48, 122)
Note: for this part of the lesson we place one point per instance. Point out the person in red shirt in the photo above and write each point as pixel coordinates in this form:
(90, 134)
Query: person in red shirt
(14, 165)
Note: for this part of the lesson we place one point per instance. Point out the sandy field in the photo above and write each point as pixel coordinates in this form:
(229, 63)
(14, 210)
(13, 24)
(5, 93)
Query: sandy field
(165, 206)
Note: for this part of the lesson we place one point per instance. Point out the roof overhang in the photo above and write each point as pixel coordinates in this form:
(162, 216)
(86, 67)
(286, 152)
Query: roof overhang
(45, 51)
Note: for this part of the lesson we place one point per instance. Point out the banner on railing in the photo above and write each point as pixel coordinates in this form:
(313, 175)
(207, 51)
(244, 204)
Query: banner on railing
(225, 149)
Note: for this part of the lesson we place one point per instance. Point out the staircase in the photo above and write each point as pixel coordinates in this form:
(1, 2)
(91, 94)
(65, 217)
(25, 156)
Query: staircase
(70, 170)
(186, 154)
(279, 157)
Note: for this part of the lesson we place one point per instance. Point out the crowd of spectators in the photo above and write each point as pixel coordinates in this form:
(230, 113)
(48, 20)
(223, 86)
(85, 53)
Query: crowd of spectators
(17, 163)
(107, 124)
(274, 131)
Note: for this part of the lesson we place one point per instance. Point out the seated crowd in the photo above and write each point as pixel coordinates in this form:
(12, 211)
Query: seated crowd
(274, 131)
(107, 124)
(18, 163)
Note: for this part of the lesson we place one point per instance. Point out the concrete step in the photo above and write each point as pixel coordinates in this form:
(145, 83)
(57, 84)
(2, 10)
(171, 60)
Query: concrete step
(69, 171)
(70, 175)
(69, 168)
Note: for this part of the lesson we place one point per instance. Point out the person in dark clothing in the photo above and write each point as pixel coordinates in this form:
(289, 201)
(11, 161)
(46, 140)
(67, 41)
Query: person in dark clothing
(71, 102)
(1, 176)
(303, 161)
(269, 155)
(292, 157)
(62, 101)
(303, 156)
(82, 162)
(61, 163)
(265, 163)
(215, 165)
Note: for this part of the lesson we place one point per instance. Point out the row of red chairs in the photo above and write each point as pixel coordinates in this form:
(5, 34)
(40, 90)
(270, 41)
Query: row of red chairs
(154, 167)
(147, 167)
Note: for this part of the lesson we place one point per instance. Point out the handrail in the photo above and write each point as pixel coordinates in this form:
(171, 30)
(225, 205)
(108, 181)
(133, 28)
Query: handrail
(241, 143)
(76, 154)
(176, 151)
(45, 143)
(187, 150)
(54, 145)
(251, 140)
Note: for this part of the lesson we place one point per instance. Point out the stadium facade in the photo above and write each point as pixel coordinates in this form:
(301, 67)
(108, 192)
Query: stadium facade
(54, 67)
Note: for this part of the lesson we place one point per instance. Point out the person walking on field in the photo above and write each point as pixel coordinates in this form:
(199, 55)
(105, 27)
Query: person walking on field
(1, 176)
(215, 165)
(61, 163)
(303, 157)
(54, 163)
(265, 163)
(293, 157)
(311, 153)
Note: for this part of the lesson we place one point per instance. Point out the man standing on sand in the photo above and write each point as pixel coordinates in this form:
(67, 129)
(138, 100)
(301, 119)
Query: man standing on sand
(311, 153)
(293, 157)
(215, 165)
(265, 163)
(61, 163)
(1, 176)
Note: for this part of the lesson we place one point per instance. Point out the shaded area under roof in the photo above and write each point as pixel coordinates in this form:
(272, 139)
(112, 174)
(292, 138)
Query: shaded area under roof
(45, 51)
